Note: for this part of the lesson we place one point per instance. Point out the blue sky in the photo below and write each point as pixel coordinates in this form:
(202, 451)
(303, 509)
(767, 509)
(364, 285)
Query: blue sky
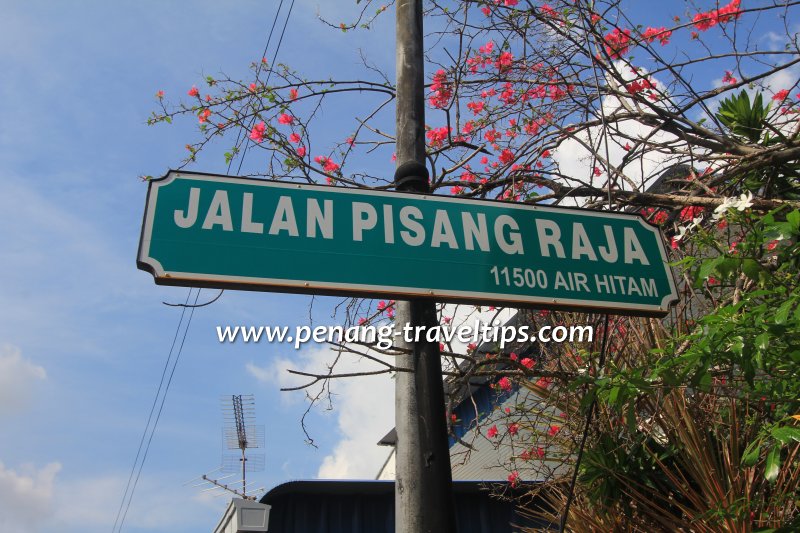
(83, 333)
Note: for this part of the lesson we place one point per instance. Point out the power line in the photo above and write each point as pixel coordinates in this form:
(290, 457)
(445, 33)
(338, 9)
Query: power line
(131, 488)
(271, 67)
(152, 410)
(258, 73)
(160, 408)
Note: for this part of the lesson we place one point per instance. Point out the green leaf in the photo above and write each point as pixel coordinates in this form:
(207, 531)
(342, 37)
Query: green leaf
(706, 269)
(762, 341)
(773, 464)
(786, 434)
(793, 218)
(751, 268)
(751, 454)
(783, 312)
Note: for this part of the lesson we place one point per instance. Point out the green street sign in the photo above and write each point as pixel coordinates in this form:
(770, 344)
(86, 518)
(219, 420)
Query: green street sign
(207, 230)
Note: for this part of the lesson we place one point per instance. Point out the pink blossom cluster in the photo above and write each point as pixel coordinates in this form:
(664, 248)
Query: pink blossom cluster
(617, 43)
(662, 34)
(441, 89)
(437, 136)
(709, 19)
(326, 163)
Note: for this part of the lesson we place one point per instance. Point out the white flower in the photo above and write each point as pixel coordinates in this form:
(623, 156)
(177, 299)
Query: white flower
(722, 208)
(743, 202)
(684, 230)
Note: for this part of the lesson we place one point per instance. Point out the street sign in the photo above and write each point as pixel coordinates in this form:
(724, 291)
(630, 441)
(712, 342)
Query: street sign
(218, 231)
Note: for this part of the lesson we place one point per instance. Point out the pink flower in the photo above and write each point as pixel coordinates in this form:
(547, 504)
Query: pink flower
(662, 34)
(301, 151)
(660, 217)
(513, 478)
(486, 11)
(327, 163)
(553, 430)
(772, 245)
(492, 135)
(258, 131)
(492, 432)
(441, 89)
(513, 356)
(780, 96)
(476, 107)
(193, 91)
(513, 428)
(504, 383)
(486, 48)
(471, 347)
(617, 43)
(292, 94)
(160, 95)
(691, 212)
(361, 321)
(506, 156)
(294, 138)
(705, 21)
(504, 61)
(510, 3)
(728, 78)
(540, 452)
(528, 363)
(252, 87)
(638, 86)
(437, 136)
(286, 118)
(203, 116)
(548, 11)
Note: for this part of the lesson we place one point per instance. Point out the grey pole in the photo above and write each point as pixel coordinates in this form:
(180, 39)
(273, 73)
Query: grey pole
(423, 486)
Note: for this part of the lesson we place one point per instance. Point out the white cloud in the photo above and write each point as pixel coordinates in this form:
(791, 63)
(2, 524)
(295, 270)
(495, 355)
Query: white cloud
(26, 497)
(90, 504)
(17, 379)
(363, 407)
(575, 161)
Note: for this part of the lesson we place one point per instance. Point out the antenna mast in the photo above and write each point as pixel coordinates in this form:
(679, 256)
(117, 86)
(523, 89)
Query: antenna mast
(241, 434)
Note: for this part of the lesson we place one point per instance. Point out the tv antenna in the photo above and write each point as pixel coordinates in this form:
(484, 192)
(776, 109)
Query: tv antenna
(239, 433)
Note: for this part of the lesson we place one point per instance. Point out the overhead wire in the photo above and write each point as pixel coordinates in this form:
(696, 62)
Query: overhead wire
(270, 68)
(161, 407)
(132, 482)
(258, 73)
(152, 410)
